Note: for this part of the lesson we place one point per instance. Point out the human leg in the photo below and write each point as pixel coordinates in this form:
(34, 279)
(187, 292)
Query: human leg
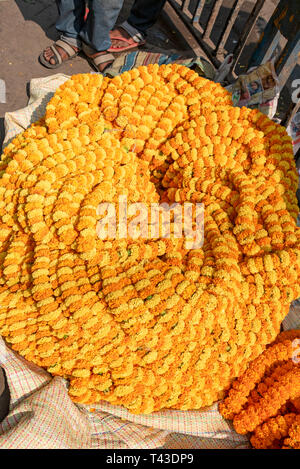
(132, 33)
(144, 14)
(69, 23)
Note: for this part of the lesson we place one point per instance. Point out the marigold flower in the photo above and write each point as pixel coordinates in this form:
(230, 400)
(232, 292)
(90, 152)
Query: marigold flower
(265, 399)
(147, 323)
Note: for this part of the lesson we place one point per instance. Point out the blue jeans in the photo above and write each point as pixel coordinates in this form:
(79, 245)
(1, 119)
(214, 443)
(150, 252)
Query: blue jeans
(101, 19)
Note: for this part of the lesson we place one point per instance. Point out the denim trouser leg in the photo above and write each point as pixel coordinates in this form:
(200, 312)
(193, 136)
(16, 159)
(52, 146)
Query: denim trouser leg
(101, 19)
(71, 17)
(144, 14)
(95, 30)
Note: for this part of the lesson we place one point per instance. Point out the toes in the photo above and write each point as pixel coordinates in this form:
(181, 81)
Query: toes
(116, 43)
(62, 53)
(48, 54)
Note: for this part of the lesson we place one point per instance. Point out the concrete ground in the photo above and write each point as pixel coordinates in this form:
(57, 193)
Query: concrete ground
(28, 26)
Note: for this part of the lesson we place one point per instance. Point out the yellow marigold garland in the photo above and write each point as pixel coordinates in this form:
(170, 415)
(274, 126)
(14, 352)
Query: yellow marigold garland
(265, 400)
(147, 324)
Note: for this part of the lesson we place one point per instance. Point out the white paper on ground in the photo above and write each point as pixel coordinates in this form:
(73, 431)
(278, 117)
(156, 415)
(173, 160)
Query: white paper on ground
(2, 92)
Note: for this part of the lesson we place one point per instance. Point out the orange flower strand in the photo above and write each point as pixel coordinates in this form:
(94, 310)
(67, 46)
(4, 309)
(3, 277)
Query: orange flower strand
(149, 323)
(276, 428)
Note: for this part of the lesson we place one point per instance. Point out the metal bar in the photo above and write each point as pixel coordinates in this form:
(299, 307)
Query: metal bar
(185, 8)
(185, 28)
(206, 51)
(290, 51)
(225, 33)
(198, 11)
(268, 36)
(212, 19)
(247, 31)
(291, 113)
(288, 60)
(179, 3)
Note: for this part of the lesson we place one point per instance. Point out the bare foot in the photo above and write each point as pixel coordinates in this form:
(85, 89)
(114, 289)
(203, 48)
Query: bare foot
(49, 54)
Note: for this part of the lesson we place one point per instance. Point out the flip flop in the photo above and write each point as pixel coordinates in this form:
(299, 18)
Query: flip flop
(130, 45)
(57, 57)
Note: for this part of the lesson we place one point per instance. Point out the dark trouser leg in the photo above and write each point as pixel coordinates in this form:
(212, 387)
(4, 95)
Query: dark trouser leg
(144, 14)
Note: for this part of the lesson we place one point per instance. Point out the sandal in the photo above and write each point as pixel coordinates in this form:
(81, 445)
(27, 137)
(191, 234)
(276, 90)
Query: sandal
(57, 57)
(98, 59)
(132, 43)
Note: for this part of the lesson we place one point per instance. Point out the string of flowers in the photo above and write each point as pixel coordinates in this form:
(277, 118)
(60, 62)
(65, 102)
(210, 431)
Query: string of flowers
(272, 432)
(146, 323)
(293, 440)
(265, 399)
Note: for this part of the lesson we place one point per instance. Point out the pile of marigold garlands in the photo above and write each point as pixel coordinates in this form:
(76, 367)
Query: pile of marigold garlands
(146, 323)
(265, 400)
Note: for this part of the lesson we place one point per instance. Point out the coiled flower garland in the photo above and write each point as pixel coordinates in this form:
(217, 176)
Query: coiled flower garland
(265, 400)
(146, 323)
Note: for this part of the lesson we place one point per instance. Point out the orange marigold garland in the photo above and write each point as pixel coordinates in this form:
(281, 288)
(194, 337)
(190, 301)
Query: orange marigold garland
(147, 323)
(270, 434)
(265, 400)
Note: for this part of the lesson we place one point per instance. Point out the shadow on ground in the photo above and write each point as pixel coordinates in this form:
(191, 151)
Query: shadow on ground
(42, 12)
